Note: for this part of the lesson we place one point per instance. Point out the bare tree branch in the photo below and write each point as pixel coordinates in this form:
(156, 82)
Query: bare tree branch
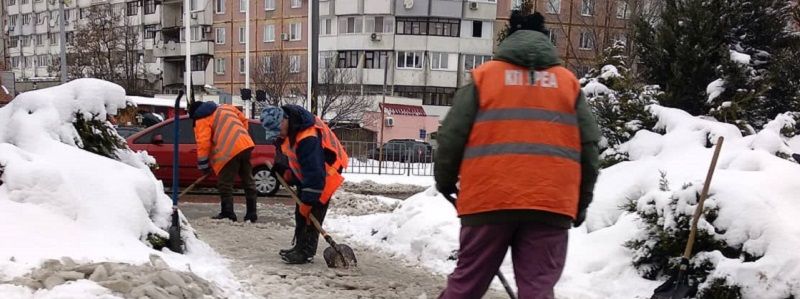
(339, 99)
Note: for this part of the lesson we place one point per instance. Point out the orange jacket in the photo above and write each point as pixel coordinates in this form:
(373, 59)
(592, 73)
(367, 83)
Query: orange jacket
(333, 172)
(523, 152)
(221, 136)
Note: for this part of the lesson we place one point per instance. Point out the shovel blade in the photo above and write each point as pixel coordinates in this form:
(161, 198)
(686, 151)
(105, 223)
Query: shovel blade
(342, 256)
(673, 289)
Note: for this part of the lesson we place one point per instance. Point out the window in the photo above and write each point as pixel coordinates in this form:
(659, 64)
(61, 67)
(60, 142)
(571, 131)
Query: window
(439, 61)
(587, 41)
(477, 29)
(380, 25)
(242, 5)
(295, 31)
(70, 37)
(325, 27)
(220, 36)
(219, 7)
(132, 8)
(516, 4)
(553, 37)
(269, 33)
(241, 65)
(429, 26)
(375, 59)
(26, 41)
(149, 7)
(409, 60)
(294, 64)
(15, 61)
(269, 4)
(52, 38)
(83, 13)
(587, 7)
(297, 3)
(26, 19)
(12, 2)
(67, 14)
(622, 10)
(23, 2)
(620, 37)
(13, 41)
(327, 59)
(553, 6)
(43, 60)
(150, 31)
(198, 63)
(350, 25)
(241, 35)
(12, 20)
(473, 61)
(347, 60)
(39, 39)
(40, 18)
(29, 61)
(267, 64)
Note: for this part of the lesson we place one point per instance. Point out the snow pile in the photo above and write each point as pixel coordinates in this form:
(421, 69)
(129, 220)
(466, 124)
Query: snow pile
(754, 191)
(609, 71)
(352, 204)
(740, 58)
(370, 187)
(595, 88)
(714, 89)
(57, 200)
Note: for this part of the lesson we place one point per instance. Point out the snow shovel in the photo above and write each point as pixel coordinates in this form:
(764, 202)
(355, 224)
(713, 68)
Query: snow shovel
(677, 286)
(499, 274)
(336, 255)
(175, 242)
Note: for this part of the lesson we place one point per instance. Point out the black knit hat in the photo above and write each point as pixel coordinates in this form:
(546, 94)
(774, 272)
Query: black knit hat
(534, 22)
(193, 108)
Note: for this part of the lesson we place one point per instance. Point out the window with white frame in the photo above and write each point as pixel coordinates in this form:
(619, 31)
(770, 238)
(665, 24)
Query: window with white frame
(39, 39)
(473, 61)
(220, 35)
(40, 18)
(376, 59)
(219, 66)
(13, 41)
(516, 4)
(620, 37)
(294, 64)
(242, 5)
(197, 34)
(219, 6)
(348, 59)
(440, 61)
(553, 6)
(586, 40)
(326, 26)
(380, 24)
(23, 2)
(295, 31)
(26, 41)
(149, 7)
(350, 25)
(409, 60)
(269, 33)
(266, 64)
(26, 19)
(297, 3)
(12, 2)
(242, 36)
(587, 7)
(12, 21)
(623, 11)
(29, 61)
(553, 37)
(68, 15)
(43, 60)
(269, 4)
(52, 38)
(15, 62)
(327, 59)
(242, 66)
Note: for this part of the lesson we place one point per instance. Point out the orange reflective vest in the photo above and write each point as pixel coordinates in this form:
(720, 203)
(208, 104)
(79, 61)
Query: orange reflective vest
(221, 136)
(333, 172)
(523, 152)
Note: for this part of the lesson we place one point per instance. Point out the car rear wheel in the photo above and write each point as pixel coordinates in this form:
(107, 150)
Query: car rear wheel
(266, 184)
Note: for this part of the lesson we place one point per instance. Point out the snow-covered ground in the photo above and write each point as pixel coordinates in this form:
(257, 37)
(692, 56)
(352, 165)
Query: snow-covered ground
(755, 191)
(57, 200)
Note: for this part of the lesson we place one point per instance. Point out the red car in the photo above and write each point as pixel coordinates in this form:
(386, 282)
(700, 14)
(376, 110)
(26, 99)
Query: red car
(158, 142)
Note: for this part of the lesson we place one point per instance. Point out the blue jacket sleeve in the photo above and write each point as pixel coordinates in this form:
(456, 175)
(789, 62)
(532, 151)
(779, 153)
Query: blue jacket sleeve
(312, 166)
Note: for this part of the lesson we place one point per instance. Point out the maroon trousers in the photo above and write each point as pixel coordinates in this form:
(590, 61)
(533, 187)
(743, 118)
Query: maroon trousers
(538, 252)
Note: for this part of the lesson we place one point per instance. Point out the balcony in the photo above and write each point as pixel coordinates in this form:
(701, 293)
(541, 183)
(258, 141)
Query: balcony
(172, 49)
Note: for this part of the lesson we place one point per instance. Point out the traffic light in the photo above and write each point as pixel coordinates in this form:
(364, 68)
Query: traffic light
(261, 95)
(247, 94)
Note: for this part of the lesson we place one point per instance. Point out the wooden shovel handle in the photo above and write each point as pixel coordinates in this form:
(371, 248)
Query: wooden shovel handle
(699, 210)
(297, 200)
(193, 185)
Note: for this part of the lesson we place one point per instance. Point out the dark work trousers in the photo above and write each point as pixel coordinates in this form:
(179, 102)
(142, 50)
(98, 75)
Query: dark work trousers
(538, 252)
(305, 234)
(240, 166)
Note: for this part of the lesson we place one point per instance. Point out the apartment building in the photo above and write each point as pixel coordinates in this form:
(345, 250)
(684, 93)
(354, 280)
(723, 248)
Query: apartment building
(170, 45)
(419, 48)
(580, 29)
(33, 34)
(278, 39)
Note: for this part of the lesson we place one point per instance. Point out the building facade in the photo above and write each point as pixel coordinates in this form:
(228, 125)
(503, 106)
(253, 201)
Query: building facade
(278, 44)
(418, 48)
(580, 29)
(33, 35)
(170, 44)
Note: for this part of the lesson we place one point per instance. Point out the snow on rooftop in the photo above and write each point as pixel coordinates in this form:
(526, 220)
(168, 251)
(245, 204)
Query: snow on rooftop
(159, 102)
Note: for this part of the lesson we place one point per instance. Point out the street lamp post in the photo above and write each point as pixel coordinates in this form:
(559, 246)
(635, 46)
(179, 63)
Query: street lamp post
(62, 35)
(247, 109)
(187, 33)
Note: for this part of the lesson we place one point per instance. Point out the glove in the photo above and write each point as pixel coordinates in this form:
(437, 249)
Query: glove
(203, 166)
(579, 218)
(448, 191)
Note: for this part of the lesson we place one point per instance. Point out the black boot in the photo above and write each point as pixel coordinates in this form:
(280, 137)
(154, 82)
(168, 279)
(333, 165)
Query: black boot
(226, 205)
(296, 257)
(251, 214)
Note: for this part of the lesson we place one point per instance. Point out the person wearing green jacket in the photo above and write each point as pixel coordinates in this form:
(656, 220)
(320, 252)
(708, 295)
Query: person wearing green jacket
(523, 143)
